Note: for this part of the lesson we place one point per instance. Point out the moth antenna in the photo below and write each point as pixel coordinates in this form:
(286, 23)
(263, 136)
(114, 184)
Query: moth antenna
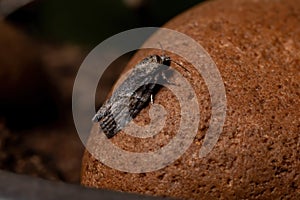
(161, 46)
(164, 52)
(180, 65)
(173, 60)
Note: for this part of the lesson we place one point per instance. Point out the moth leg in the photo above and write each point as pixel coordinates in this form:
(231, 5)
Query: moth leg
(151, 98)
(164, 76)
(167, 80)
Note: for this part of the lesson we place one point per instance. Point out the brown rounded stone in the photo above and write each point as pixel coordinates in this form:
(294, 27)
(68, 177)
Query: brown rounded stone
(256, 47)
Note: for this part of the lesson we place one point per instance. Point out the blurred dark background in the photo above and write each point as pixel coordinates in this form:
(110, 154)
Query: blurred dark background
(42, 44)
(92, 21)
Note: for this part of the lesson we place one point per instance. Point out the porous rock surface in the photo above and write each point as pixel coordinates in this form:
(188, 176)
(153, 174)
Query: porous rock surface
(256, 47)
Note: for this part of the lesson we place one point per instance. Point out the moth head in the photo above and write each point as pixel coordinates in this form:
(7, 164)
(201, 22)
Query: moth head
(165, 60)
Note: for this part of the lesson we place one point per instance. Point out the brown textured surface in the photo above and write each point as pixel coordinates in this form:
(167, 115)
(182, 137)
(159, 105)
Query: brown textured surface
(256, 46)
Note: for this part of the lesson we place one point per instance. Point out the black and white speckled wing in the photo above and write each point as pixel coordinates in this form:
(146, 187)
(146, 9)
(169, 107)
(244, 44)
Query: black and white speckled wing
(130, 97)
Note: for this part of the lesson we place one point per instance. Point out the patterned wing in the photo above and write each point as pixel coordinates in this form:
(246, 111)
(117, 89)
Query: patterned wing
(141, 98)
(127, 101)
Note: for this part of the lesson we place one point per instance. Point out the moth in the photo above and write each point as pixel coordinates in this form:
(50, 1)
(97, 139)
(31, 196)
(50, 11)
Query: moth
(133, 94)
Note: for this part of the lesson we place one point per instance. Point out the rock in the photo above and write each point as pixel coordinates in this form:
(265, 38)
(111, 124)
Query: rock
(255, 45)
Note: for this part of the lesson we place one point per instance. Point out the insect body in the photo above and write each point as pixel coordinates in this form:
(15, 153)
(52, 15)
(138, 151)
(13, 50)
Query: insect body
(132, 95)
